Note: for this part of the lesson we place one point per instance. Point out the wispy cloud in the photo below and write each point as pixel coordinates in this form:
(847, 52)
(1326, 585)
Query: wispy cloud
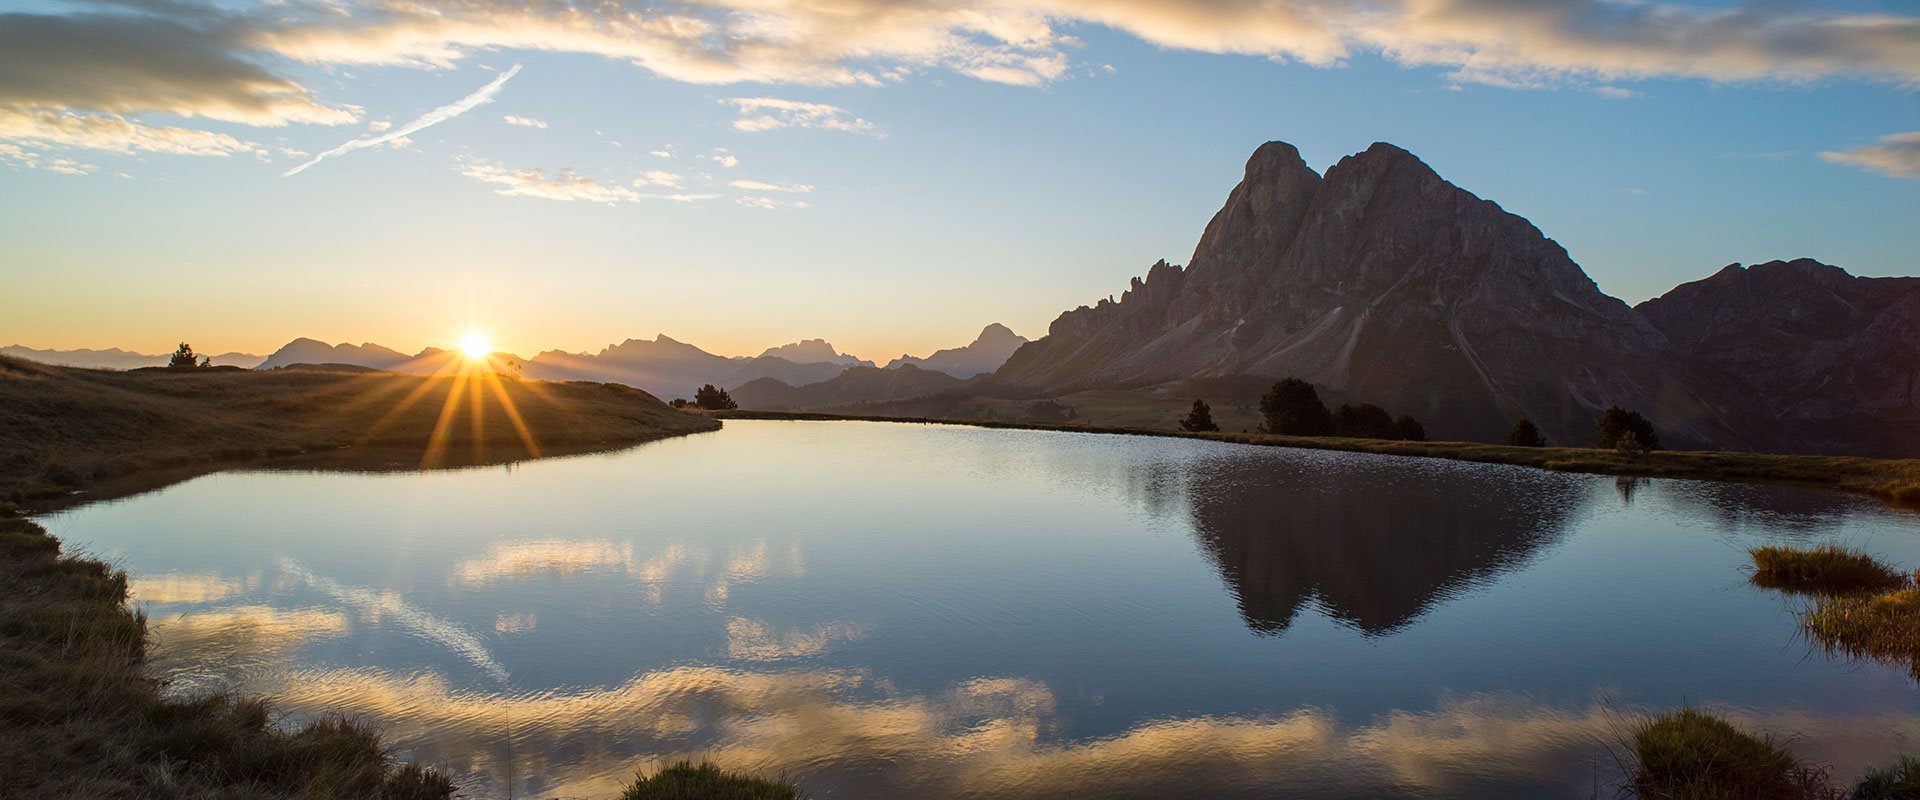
(758, 201)
(484, 95)
(524, 122)
(773, 113)
(763, 186)
(567, 185)
(660, 178)
(1897, 155)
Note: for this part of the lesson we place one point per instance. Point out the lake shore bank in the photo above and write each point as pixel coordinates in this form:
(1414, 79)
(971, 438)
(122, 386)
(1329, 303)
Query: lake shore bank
(73, 435)
(1896, 482)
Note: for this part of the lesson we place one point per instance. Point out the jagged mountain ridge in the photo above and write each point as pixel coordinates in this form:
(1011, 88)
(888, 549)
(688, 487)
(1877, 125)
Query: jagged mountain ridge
(1381, 281)
(995, 344)
(1825, 357)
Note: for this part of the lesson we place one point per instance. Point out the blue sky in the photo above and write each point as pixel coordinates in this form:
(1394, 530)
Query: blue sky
(935, 201)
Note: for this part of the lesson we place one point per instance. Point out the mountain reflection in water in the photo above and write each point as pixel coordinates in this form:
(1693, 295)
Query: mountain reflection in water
(888, 611)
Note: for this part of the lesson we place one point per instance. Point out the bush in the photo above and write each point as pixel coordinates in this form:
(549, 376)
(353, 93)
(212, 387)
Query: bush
(1524, 434)
(1200, 418)
(684, 781)
(1363, 421)
(1692, 754)
(713, 398)
(1620, 429)
(1408, 429)
(1293, 408)
(1822, 569)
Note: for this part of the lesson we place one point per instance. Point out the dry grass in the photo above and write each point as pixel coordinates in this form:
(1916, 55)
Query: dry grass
(1881, 627)
(684, 781)
(63, 429)
(1896, 481)
(78, 719)
(1822, 570)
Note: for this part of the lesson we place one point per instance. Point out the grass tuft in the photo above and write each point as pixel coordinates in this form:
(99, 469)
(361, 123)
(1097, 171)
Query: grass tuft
(685, 781)
(1882, 627)
(1830, 569)
(1693, 755)
(1898, 782)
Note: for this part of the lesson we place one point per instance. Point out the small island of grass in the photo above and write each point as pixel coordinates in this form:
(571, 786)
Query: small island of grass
(1829, 569)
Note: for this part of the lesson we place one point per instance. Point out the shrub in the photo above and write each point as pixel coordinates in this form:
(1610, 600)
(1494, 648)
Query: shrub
(1618, 428)
(1200, 418)
(1822, 569)
(1408, 429)
(684, 781)
(713, 398)
(1363, 421)
(1293, 408)
(1524, 434)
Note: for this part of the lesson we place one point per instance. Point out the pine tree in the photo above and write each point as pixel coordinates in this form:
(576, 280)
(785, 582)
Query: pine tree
(183, 358)
(1293, 408)
(1200, 418)
(1524, 434)
(1618, 428)
(713, 398)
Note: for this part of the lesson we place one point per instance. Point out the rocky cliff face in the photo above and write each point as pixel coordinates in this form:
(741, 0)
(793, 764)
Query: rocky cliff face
(1826, 360)
(1382, 282)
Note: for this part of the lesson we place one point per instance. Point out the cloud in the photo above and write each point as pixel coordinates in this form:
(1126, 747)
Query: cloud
(481, 96)
(874, 42)
(1897, 155)
(564, 185)
(661, 153)
(757, 201)
(772, 113)
(131, 64)
(112, 133)
(524, 122)
(1615, 92)
(660, 178)
(763, 186)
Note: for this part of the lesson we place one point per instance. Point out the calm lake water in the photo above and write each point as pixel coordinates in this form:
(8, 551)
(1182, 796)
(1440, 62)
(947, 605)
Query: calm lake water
(888, 610)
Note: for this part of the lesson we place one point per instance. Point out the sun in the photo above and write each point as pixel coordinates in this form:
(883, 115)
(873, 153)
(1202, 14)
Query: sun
(474, 345)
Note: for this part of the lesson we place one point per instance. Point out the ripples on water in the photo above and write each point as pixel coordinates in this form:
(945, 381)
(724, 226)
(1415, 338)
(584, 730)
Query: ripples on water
(885, 610)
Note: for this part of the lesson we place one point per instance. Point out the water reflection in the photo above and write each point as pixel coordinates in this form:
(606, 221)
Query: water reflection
(1000, 614)
(1372, 556)
(847, 732)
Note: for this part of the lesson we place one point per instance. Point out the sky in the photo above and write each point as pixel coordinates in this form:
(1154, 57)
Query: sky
(890, 175)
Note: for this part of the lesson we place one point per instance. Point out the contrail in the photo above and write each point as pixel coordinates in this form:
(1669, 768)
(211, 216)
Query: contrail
(427, 120)
(420, 623)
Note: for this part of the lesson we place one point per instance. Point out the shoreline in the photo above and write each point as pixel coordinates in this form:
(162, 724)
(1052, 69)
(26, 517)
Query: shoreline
(1895, 482)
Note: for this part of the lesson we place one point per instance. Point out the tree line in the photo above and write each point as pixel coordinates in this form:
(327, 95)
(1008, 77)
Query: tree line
(1292, 407)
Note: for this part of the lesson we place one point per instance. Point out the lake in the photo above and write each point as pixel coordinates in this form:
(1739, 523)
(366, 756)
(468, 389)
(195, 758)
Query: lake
(892, 610)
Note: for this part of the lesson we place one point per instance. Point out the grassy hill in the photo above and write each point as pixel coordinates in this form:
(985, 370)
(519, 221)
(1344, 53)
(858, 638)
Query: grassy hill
(63, 429)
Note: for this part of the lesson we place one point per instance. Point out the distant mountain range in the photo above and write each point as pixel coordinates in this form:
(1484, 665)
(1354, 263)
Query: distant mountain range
(671, 368)
(995, 344)
(1381, 282)
(855, 385)
(116, 358)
